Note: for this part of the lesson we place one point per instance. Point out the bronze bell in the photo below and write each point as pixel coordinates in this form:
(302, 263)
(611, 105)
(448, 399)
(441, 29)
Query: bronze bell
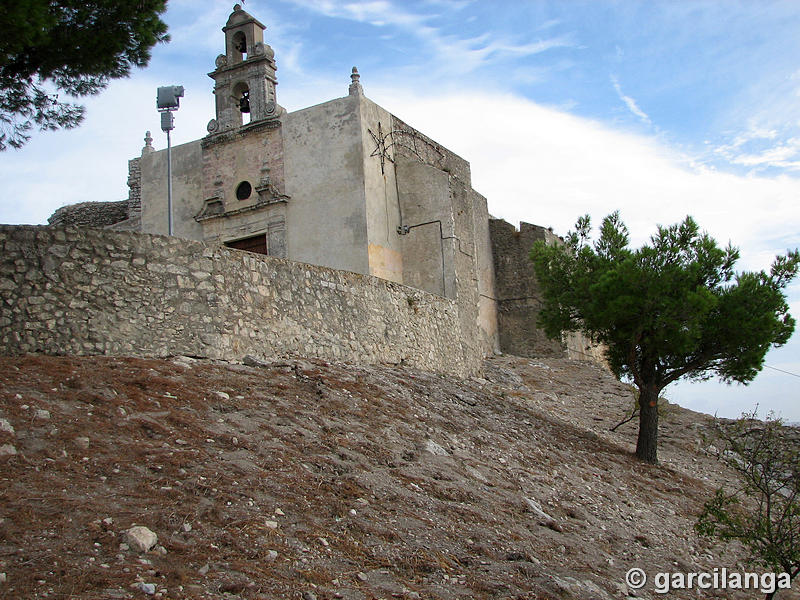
(244, 102)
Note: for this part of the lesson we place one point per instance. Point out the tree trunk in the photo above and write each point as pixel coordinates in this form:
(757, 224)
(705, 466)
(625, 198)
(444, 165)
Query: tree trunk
(647, 444)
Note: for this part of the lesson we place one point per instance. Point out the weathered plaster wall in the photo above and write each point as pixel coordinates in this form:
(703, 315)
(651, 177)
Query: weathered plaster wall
(380, 187)
(425, 198)
(187, 190)
(451, 254)
(487, 302)
(90, 291)
(324, 169)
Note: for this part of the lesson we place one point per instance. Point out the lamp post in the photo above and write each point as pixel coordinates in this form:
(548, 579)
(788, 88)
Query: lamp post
(167, 101)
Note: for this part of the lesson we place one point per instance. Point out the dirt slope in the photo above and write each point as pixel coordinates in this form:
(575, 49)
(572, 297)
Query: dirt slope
(309, 480)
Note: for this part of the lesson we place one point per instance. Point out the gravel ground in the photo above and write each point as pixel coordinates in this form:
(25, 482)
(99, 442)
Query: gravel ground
(304, 479)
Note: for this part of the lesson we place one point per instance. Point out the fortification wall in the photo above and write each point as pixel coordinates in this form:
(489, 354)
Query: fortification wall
(91, 291)
(519, 297)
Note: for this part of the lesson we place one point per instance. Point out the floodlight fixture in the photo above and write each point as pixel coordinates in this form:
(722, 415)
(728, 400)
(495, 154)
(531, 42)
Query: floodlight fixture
(168, 97)
(168, 100)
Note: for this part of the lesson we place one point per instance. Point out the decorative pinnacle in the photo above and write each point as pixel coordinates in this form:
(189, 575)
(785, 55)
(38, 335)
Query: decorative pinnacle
(355, 83)
(148, 143)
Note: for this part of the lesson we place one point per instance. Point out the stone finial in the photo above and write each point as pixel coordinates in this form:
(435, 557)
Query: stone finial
(148, 144)
(355, 85)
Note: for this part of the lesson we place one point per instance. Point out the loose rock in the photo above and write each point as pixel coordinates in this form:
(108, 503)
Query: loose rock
(7, 450)
(435, 449)
(147, 588)
(140, 538)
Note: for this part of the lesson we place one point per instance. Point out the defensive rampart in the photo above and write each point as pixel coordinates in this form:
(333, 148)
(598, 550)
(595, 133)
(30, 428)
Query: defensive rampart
(91, 291)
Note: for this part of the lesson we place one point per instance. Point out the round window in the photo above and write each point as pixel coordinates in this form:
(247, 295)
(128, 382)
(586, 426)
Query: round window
(243, 190)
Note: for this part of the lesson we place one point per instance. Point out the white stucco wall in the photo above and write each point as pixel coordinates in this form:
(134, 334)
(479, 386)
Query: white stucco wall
(187, 191)
(326, 220)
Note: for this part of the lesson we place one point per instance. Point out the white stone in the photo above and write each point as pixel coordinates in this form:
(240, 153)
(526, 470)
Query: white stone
(536, 509)
(6, 427)
(7, 450)
(222, 395)
(271, 524)
(82, 442)
(435, 449)
(42, 414)
(147, 588)
(140, 538)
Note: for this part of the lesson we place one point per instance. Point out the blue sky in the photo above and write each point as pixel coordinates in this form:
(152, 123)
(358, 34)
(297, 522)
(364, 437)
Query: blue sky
(657, 109)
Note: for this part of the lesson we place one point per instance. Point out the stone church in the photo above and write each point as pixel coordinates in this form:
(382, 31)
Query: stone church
(344, 184)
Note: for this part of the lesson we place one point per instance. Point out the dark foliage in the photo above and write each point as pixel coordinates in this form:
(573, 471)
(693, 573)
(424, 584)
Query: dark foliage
(72, 47)
(669, 310)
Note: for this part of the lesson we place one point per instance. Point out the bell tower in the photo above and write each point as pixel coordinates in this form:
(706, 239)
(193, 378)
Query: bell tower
(244, 80)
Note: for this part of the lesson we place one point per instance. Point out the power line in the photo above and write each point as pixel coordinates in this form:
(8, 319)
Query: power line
(782, 371)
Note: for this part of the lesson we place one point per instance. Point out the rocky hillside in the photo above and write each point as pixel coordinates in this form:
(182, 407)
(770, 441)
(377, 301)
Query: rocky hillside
(309, 480)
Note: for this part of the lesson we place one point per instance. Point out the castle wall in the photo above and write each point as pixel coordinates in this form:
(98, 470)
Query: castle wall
(518, 294)
(324, 170)
(187, 190)
(89, 291)
(519, 297)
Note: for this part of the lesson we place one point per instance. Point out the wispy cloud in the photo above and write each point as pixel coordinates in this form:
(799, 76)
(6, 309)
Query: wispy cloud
(765, 128)
(630, 103)
(759, 148)
(445, 52)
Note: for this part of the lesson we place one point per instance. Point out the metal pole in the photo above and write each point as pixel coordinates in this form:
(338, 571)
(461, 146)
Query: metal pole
(169, 184)
(167, 100)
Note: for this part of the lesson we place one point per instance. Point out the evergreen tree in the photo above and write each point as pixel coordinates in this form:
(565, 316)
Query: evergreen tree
(670, 310)
(74, 47)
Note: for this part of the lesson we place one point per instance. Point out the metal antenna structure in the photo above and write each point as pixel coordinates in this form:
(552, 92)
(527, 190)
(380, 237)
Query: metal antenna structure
(168, 101)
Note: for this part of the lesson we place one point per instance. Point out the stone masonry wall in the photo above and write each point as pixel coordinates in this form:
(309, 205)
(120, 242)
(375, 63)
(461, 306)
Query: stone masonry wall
(89, 291)
(90, 214)
(519, 297)
(517, 291)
